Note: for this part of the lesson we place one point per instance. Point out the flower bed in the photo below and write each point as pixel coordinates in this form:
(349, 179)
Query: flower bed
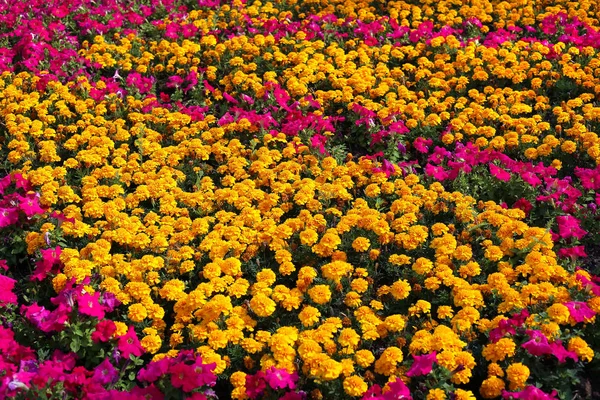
(299, 200)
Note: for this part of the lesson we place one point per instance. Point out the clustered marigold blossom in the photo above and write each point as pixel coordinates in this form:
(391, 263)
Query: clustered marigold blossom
(242, 227)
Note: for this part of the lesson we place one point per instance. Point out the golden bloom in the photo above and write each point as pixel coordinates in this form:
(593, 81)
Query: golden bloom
(361, 244)
(262, 305)
(400, 289)
(500, 350)
(581, 348)
(320, 294)
(386, 364)
(364, 358)
(137, 312)
(355, 386)
(492, 387)
(517, 374)
(309, 316)
(151, 343)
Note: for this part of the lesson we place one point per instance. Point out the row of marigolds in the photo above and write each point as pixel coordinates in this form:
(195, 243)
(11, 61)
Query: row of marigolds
(263, 255)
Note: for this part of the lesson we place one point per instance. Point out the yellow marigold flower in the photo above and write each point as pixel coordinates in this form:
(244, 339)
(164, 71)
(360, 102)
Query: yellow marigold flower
(436, 394)
(173, 290)
(151, 343)
(444, 312)
(581, 348)
(364, 358)
(320, 294)
(492, 387)
(374, 254)
(122, 328)
(517, 374)
(355, 386)
(422, 266)
(460, 394)
(495, 370)
(359, 285)
(309, 237)
(499, 351)
(372, 190)
(493, 253)
(361, 244)
(238, 379)
(387, 362)
(559, 313)
(262, 305)
(352, 299)
(395, 323)
(399, 259)
(266, 276)
(309, 316)
(400, 289)
(137, 312)
(336, 270)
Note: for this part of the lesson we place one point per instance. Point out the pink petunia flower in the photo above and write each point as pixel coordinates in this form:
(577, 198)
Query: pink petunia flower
(499, 173)
(568, 227)
(6, 291)
(129, 344)
(280, 379)
(538, 344)
(580, 311)
(104, 331)
(530, 393)
(422, 364)
(89, 304)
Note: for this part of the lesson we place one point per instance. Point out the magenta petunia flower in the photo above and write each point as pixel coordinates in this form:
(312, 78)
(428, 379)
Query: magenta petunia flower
(398, 391)
(580, 311)
(8, 216)
(530, 393)
(182, 376)
(105, 373)
(559, 351)
(255, 384)
(89, 304)
(499, 173)
(568, 227)
(6, 291)
(129, 344)
(422, 364)
(280, 379)
(154, 370)
(538, 344)
(104, 331)
(30, 204)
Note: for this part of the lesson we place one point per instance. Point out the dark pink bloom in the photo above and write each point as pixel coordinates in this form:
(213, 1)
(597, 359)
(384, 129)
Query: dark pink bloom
(154, 370)
(89, 304)
(204, 373)
(580, 311)
(255, 384)
(182, 376)
(538, 344)
(129, 344)
(568, 227)
(105, 373)
(104, 331)
(559, 351)
(6, 291)
(3, 265)
(499, 173)
(505, 327)
(574, 252)
(8, 216)
(30, 205)
(422, 364)
(398, 391)
(523, 204)
(318, 141)
(530, 393)
(230, 98)
(280, 378)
